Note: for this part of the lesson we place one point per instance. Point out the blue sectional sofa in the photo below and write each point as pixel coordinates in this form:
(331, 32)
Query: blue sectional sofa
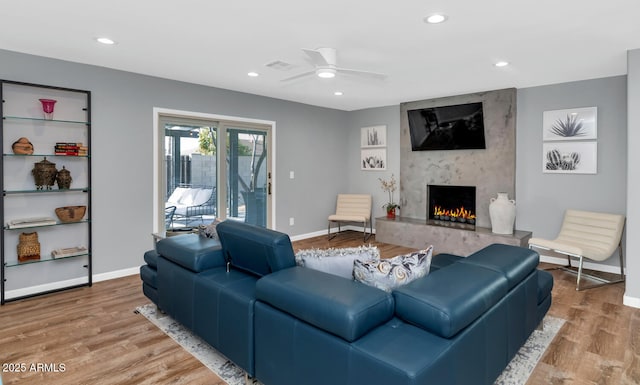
(285, 324)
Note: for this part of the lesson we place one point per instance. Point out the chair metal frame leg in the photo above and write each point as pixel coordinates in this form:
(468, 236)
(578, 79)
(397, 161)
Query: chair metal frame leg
(329, 231)
(569, 268)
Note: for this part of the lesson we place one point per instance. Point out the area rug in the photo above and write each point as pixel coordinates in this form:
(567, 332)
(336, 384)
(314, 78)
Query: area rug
(516, 373)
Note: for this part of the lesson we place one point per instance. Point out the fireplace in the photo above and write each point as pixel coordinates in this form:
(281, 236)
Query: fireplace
(451, 206)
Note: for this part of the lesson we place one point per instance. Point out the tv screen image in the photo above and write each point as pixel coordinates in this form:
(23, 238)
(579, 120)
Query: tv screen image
(455, 127)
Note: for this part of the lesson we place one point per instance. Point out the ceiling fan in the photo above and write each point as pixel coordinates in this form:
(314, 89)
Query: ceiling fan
(324, 60)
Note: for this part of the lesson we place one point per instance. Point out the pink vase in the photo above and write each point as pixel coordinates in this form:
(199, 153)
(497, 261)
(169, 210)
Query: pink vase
(47, 107)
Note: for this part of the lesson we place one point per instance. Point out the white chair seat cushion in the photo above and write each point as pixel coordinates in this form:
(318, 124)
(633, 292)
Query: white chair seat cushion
(348, 218)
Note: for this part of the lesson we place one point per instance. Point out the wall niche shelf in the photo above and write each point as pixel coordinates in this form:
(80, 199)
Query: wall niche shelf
(61, 257)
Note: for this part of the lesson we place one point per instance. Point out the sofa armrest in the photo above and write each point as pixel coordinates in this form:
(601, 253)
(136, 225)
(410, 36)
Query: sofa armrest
(192, 251)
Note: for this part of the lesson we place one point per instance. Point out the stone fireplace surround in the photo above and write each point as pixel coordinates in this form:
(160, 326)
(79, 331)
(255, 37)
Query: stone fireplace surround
(491, 170)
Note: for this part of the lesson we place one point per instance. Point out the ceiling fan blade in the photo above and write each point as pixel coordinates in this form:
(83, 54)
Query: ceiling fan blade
(302, 75)
(369, 74)
(316, 57)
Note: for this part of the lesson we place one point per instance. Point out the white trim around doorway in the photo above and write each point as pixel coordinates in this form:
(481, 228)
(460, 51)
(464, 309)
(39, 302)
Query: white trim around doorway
(158, 144)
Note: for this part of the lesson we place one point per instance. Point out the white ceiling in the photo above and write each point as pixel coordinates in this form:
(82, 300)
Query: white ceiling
(216, 43)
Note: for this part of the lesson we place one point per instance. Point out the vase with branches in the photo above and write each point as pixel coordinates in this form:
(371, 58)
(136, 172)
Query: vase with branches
(389, 186)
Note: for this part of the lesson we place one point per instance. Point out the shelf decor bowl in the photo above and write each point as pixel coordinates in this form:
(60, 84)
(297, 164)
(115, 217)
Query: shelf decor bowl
(68, 214)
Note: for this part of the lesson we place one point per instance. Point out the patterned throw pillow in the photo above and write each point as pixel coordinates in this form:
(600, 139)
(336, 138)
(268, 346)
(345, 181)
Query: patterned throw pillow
(336, 261)
(387, 274)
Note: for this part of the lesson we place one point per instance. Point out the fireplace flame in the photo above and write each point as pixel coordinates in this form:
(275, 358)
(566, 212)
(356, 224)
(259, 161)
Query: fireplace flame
(460, 212)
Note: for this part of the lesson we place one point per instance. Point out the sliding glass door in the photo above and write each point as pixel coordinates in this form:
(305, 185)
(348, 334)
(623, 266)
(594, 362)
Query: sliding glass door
(215, 169)
(248, 175)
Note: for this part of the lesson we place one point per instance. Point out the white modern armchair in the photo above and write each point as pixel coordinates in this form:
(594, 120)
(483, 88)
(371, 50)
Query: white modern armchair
(352, 208)
(587, 234)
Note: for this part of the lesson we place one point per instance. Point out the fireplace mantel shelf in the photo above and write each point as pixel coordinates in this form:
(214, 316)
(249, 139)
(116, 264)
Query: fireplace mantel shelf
(418, 234)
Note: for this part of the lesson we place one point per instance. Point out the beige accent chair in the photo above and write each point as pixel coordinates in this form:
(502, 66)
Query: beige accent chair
(586, 234)
(352, 208)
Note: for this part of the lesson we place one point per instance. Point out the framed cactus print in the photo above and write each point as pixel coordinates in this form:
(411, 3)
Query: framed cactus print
(571, 124)
(577, 157)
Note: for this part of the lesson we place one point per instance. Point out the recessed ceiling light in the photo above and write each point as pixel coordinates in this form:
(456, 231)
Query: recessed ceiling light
(338, 93)
(326, 73)
(253, 74)
(436, 18)
(105, 40)
(501, 63)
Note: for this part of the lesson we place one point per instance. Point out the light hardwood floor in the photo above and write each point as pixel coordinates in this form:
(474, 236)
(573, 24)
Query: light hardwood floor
(96, 335)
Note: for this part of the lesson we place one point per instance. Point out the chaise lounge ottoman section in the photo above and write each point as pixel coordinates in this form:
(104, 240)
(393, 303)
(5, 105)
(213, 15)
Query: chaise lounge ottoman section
(340, 306)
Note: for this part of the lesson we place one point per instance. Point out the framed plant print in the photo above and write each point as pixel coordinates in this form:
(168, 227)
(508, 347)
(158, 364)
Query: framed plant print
(374, 136)
(374, 159)
(579, 157)
(570, 124)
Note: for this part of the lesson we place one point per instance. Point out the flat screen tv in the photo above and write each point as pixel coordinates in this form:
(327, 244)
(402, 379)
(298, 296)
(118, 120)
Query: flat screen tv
(456, 127)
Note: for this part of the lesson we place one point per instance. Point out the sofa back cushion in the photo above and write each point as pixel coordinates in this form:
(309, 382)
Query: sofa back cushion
(449, 299)
(254, 249)
(514, 262)
(340, 306)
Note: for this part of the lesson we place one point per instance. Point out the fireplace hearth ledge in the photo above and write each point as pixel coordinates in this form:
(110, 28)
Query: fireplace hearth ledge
(418, 234)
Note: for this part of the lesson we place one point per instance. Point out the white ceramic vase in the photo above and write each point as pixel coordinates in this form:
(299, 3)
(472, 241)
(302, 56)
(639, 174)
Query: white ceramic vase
(502, 212)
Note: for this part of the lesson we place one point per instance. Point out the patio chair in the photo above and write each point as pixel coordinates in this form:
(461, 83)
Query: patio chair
(168, 216)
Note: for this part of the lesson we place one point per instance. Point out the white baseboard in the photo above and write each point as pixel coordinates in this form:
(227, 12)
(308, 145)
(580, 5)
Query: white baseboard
(586, 265)
(26, 291)
(319, 233)
(31, 290)
(631, 301)
(116, 274)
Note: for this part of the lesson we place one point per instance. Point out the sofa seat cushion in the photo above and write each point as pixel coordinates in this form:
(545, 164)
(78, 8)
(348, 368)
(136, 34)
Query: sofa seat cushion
(449, 299)
(337, 305)
(443, 260)
(151, 259)
(545, 284)
(192, 252)
(514, 262)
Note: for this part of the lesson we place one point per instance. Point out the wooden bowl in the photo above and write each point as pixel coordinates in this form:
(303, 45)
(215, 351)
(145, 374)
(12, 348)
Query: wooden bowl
(68, 214)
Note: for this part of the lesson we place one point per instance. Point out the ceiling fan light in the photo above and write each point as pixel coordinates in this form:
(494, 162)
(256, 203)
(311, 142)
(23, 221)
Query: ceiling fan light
(326, 73)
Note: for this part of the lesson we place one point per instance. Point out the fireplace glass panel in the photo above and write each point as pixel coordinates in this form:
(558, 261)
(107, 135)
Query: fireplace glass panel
(448, 205)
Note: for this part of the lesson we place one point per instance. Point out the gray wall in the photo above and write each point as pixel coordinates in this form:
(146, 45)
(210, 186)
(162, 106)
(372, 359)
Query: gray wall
(632, 293)
(309, 141)
(367, 182)
(542, 198)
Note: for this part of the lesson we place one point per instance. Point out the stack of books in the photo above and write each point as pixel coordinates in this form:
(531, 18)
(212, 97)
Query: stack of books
(72, 149)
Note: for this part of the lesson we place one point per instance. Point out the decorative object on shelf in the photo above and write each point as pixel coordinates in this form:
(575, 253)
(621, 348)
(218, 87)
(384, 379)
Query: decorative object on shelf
(64, 179)
(28, 247)
(22, 146)
(389, 186)
(44, 173)
(72, 149)
(47, 107)
(69, 252)
(502, 211)
(68, 214)
(30, 222)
